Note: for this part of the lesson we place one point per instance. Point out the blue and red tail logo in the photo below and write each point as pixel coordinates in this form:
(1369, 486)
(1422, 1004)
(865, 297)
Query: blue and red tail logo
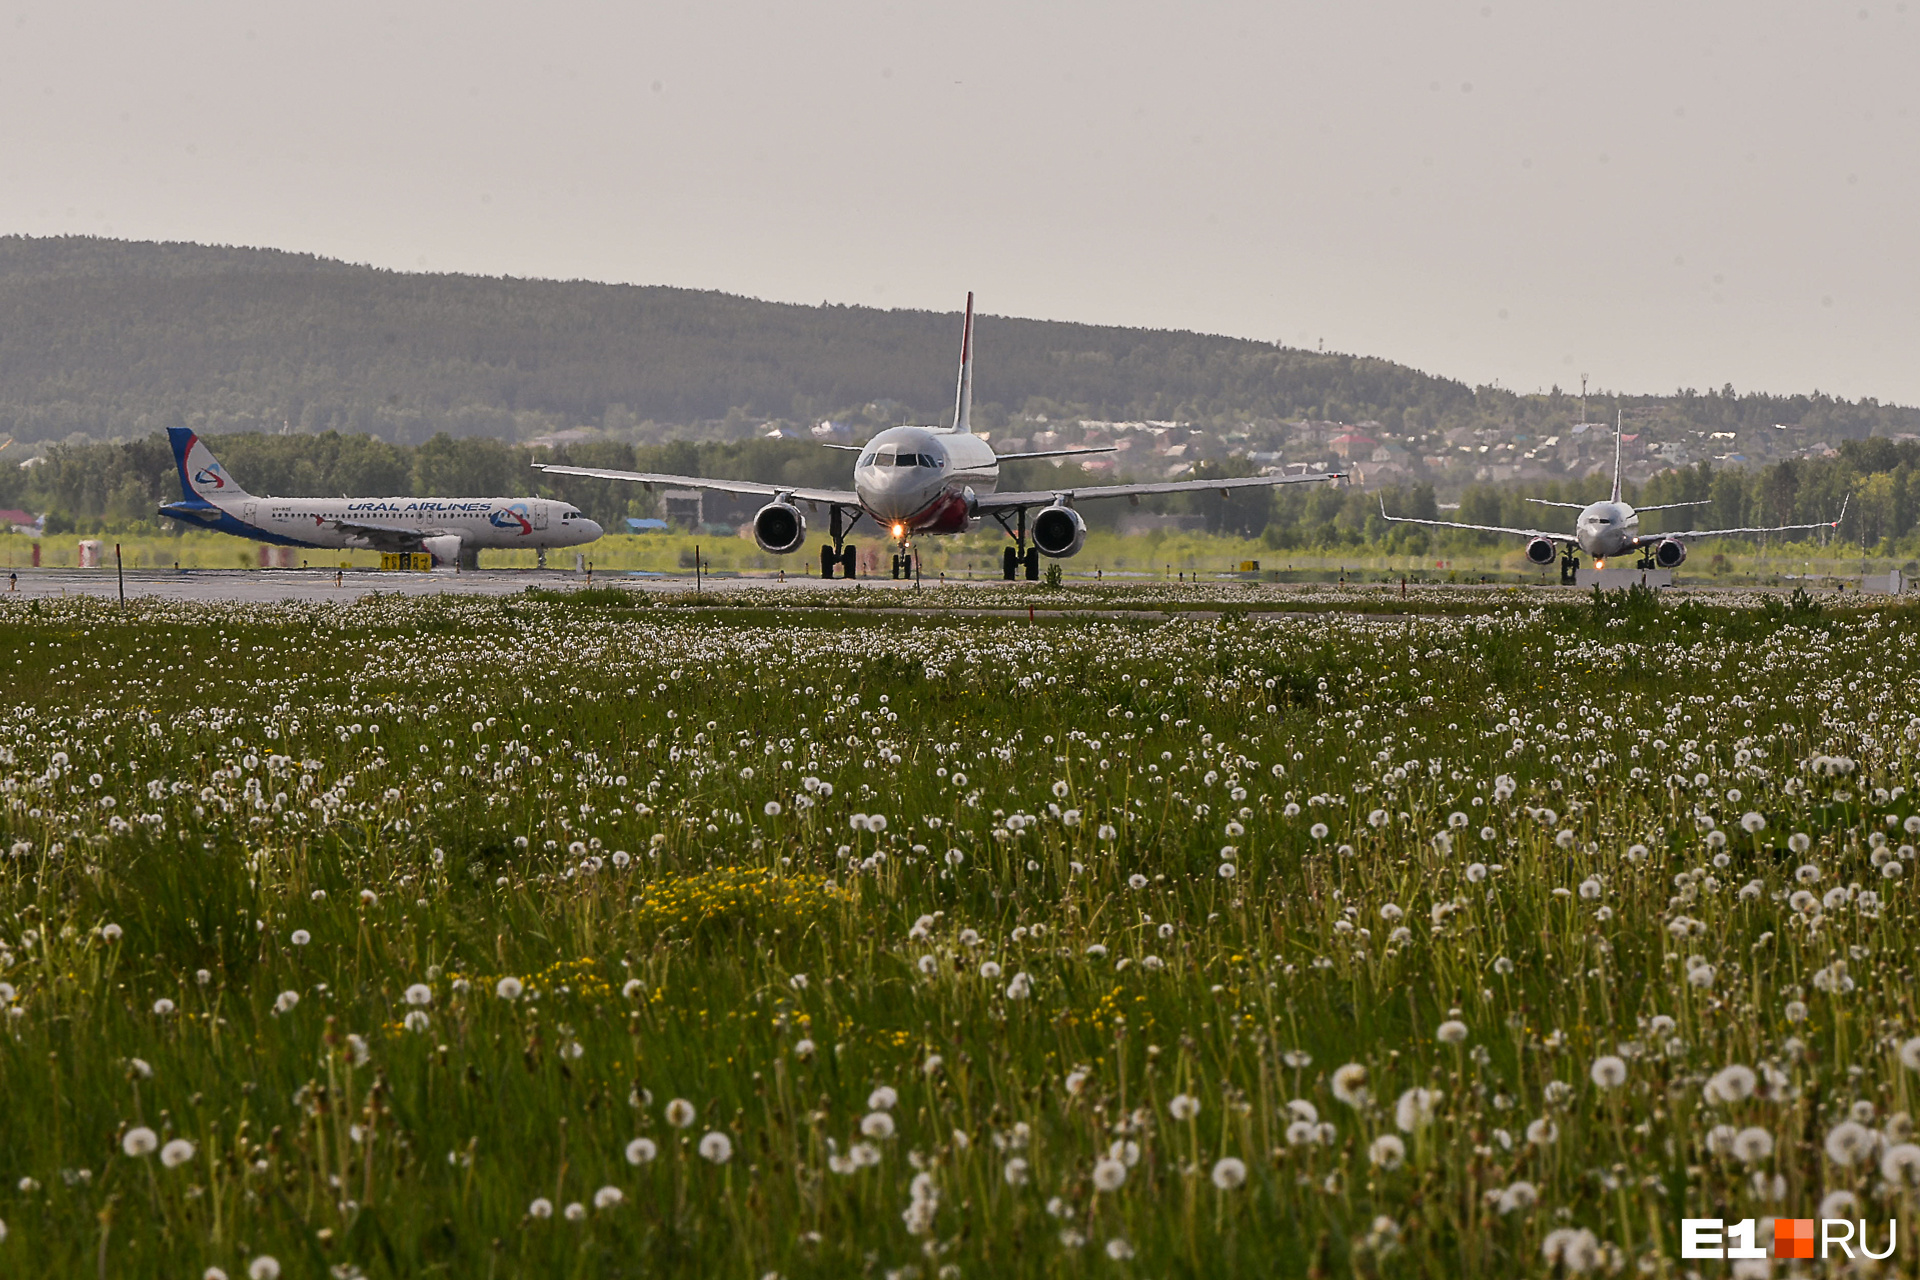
(210, 476)
(513, 517)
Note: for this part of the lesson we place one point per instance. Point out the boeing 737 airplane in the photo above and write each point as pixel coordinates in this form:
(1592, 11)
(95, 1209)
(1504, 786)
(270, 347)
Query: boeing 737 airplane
(926, 480)
(1607, 529)
(452, 530)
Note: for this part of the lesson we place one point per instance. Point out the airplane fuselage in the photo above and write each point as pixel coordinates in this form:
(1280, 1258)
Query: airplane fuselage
(922, 479)
(1607, 529)
(491, 523)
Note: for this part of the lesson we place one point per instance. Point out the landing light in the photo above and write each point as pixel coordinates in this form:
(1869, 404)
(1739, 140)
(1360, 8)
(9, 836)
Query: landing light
(899, 531)
(1600, 563)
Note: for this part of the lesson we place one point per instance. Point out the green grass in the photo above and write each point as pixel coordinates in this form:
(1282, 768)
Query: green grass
(610, 806)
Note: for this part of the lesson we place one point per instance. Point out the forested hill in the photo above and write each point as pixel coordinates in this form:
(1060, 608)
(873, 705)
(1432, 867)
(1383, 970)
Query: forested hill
(115, 340)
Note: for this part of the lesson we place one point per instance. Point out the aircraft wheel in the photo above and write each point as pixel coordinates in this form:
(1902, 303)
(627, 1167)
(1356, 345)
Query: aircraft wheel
(1033, 564)
(827, 559)
(1009, 561)
(847, 563)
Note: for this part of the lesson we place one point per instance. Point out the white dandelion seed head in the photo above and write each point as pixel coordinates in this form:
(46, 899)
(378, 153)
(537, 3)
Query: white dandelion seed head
(1229, 1173)
(680, 1113)
(716, 1147)
(1731, 1084)
(1387, 1151)
(1350, 1085)
(1754, 1144)
(1849, 1143)
(1414, 1109)
(641, 1151)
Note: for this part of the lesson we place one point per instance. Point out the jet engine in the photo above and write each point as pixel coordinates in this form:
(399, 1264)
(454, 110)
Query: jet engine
(444, 548)
(1059, 532)
(1542, 551)
(1668, 553)
(779, 528)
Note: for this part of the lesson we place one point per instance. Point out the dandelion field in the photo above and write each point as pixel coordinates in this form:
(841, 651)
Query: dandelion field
(550, 937)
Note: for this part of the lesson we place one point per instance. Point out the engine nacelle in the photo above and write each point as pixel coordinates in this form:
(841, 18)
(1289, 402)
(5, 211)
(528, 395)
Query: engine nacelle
(1542, 551)
(779, 528)
(1059, 532)
(1669, 553)
(445, 549)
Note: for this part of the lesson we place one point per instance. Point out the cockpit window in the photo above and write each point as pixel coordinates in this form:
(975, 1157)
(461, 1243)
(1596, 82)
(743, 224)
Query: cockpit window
(866, 459)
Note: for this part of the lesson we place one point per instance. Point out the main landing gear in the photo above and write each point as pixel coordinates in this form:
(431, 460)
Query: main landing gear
(1019, 555)
(837, 552)
(1569, 567)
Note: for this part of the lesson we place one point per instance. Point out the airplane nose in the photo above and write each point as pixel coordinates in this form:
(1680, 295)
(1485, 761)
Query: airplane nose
(593, 529)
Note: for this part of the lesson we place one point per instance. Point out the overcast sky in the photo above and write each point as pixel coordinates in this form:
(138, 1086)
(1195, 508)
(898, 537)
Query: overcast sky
(1655, 194)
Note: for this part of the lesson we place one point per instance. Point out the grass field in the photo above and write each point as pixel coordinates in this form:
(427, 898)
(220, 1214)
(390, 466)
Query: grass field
(560, 936)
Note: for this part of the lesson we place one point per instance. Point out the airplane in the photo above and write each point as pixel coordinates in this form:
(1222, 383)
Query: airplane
(1607, 529)
(451, 530)
(913, 480)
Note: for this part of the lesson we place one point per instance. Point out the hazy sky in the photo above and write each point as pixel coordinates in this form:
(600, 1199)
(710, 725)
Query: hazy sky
(1656, 194)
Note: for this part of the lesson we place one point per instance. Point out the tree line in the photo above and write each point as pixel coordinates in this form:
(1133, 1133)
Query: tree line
(114, 340)
(1876, 481)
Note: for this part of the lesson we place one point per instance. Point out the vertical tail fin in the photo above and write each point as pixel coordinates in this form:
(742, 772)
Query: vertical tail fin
(963, 395)
(202, 479)
(1618, 417)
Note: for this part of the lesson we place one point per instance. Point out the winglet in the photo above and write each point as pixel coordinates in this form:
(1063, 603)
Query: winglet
(963, 395)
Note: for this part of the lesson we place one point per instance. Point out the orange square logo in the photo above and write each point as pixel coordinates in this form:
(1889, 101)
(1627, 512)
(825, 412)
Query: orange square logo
(1793, 1237)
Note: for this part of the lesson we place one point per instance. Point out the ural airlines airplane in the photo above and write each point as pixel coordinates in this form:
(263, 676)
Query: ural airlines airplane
(932, 480)
(452, 530)
(1607, 529)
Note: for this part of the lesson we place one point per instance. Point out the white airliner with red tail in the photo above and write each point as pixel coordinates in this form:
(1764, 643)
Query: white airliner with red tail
(933, 480)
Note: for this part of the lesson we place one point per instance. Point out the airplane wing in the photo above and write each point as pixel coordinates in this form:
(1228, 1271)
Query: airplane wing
(1567, 538)
(1647, 538)
(752, 488)
(1083, 493)
(382, 537)
(1054, 453)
